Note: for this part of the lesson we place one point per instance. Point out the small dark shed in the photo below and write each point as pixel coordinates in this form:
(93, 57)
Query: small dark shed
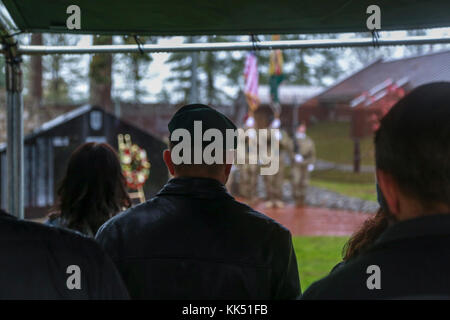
(47, 151)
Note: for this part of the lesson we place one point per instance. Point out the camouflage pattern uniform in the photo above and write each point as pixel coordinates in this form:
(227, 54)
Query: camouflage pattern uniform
(249, 175)
(307, 152)
(274, 183)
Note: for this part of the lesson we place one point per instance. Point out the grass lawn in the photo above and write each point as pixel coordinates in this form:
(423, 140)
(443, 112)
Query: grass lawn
(361, 191)
(316, 256)
(359, 185)
(333, 143)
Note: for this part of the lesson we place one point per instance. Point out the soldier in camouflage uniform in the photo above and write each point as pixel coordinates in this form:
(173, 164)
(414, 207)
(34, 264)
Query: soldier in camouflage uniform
(274, 183)
(249, 172)
(303, 164)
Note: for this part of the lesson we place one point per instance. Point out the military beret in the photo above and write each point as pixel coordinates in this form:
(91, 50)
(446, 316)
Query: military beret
(211, 119)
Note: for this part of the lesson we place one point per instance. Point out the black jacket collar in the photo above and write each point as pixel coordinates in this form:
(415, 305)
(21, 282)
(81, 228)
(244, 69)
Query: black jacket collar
(430, 225)
(204, 188)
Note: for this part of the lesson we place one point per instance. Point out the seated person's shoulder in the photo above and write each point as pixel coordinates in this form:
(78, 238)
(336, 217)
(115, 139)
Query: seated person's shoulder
(49, 251)
(134, 216)
(347, 280)
(34, 234)
(4, 216)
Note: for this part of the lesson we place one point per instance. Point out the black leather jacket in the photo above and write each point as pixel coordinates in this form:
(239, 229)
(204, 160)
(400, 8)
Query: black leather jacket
(194, 241)
(35, 260)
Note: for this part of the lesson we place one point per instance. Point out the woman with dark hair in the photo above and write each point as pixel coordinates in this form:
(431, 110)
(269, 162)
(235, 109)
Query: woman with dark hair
(362, 239)
(92, 191)
(369, 232)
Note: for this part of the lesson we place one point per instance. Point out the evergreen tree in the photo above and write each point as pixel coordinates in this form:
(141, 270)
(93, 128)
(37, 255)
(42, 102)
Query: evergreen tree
(311, 66)
(180, 75)
(135, 67)
(211, 66)
(36, 85)
(61, 73)
(366, 55)
(420, 49)
(100, 75)
(163, 96)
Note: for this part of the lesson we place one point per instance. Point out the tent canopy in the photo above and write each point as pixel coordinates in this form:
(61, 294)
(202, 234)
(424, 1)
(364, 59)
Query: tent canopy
(182, 17)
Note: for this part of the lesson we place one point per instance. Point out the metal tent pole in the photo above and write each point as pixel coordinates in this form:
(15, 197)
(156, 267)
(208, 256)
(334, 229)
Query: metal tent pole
(14, 149)
(232, 46)
(14, 105)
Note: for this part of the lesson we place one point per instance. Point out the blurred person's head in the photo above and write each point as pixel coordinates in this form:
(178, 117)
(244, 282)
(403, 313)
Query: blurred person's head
(302, 128)
(93, 189)
(412, 151)
(210, 118)
(301, 131)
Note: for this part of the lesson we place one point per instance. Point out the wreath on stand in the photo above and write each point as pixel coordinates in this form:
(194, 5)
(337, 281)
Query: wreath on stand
(135, 165)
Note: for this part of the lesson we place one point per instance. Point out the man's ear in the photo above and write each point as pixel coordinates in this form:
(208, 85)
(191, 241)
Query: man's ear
(390, 191)
(227, 171)
(167, 156)
(228, 168)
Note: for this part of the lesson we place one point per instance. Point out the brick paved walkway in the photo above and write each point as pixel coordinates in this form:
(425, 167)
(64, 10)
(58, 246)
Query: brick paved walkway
(312, 221)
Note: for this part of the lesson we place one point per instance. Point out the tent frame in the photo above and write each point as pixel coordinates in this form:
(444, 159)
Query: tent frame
(232, 46)
(14, 80)
(14, 105)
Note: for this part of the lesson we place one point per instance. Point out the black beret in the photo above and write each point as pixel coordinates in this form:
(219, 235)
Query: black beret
(211, 119)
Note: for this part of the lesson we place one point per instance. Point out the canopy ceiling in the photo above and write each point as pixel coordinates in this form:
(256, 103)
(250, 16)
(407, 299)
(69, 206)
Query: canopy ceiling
(190, 17)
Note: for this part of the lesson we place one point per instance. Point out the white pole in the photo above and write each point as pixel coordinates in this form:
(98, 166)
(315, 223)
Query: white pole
(232, 46)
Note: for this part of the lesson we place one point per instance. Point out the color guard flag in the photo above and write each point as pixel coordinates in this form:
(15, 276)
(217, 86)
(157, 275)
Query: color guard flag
(275, 72)
(251, 81)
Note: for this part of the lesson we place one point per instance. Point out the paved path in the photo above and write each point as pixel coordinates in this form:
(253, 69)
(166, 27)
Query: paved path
(327, 165)
(309, 221)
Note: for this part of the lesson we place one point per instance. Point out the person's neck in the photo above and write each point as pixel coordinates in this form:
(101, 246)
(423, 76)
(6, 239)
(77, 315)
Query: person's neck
(301, 135)
(415, 211)
(204, 176)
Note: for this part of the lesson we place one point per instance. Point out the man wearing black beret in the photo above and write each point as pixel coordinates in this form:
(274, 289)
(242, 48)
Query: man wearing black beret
(193, 240)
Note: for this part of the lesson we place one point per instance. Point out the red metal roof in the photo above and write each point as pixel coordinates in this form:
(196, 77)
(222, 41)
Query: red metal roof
(418, 70)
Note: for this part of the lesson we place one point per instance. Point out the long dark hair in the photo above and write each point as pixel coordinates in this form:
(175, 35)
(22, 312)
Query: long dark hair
(93, 189)
(362, 239)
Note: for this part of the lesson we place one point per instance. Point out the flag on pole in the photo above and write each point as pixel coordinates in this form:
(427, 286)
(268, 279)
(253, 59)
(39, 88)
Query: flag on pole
(251, 81)
(275, 72)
